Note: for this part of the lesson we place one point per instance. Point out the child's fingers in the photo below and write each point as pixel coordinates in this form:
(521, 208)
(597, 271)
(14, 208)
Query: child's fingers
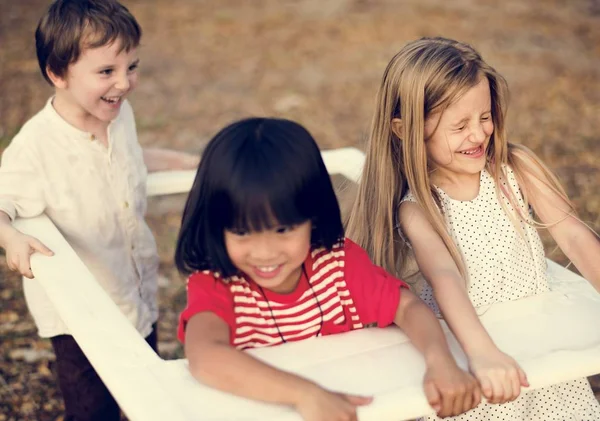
(476, 397)
(37, 245)
(467, 398)
(515, 381)
(24, 267)
(358, 400)
(499, 394)
(491, 389)
(523, 378)
(11, 261)
(474, 393)
(433, 396)
(11, 265)
(462, 402)
(508, 387)
(486, 388)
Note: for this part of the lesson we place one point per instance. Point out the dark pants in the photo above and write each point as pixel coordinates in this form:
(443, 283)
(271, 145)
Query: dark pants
(86, 397)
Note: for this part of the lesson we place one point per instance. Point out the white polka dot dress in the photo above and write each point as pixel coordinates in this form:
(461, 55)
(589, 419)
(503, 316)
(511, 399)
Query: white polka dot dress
(504, 264)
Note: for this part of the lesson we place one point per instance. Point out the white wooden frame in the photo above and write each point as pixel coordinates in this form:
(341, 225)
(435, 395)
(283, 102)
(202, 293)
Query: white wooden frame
(554, 336)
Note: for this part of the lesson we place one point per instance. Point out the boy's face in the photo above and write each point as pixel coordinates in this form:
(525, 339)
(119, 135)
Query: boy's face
(96, 84)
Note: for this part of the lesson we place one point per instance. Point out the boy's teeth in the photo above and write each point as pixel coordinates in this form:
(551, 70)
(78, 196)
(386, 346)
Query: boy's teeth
(111, 100)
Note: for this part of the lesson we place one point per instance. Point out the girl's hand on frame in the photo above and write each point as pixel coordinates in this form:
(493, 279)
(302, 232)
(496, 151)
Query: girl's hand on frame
(19, 248)
(499, 376)
(318, 404)
(450, 390)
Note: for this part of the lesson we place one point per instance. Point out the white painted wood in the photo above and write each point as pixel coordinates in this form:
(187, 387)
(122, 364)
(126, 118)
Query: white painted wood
(345, 161)
(554, 336)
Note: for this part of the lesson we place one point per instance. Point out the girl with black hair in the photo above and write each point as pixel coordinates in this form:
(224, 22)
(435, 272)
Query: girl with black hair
(263, 240)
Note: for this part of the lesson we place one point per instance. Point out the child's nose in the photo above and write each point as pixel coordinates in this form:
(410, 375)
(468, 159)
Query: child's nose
(263, 251)
(123, 83)
(478, 133)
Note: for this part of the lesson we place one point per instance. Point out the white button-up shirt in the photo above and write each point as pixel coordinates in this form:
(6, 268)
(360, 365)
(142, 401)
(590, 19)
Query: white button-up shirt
(97, 199)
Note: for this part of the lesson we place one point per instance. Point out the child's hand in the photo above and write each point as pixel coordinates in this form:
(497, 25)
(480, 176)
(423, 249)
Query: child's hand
(499, 375)
(19, 248)
(189, 161)
(318, 404)
(157, 159)
(450, 390)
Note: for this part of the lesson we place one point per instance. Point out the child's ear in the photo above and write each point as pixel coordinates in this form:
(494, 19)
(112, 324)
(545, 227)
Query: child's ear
(397, 127)
(59, 82)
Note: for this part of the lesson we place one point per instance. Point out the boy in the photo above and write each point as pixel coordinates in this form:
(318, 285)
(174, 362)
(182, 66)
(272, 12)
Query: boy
(78, 161)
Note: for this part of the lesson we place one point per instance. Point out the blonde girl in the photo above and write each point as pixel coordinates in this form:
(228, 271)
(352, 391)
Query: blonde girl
(443, 188)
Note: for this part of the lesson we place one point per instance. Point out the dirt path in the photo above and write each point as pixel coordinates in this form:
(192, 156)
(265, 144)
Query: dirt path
(205, 63)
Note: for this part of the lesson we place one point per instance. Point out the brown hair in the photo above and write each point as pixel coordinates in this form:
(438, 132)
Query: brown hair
(69, 26)
(425, 77)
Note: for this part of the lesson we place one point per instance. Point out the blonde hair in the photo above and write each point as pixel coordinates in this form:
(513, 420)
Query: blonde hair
(425, 77)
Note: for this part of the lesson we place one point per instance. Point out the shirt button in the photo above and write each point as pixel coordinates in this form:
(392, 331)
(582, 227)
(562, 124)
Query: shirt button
(92, 137)
(126, 204)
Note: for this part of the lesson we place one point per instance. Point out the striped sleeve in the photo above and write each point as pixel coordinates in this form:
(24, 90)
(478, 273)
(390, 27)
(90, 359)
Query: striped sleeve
(375, 292)
(206, 293)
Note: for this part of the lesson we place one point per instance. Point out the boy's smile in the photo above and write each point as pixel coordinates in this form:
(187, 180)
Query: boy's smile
(91, 93)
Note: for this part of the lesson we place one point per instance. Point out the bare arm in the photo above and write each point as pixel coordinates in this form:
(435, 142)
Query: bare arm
(449, 390)
(216, 363)
(499, 375)
(445, 279)
(579, 243)
(157, 159)
(19, 247)
(6, 229)
(422, 328)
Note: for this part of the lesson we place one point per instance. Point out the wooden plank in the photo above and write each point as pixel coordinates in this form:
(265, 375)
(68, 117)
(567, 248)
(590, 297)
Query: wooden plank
(554, 336)
(345, 161)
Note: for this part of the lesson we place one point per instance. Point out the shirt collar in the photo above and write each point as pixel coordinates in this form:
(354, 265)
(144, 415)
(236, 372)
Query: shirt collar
(66, 127)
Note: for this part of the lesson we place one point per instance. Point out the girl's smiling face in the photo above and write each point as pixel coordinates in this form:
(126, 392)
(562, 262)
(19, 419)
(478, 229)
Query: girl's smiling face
(273, 257)
(457, 139)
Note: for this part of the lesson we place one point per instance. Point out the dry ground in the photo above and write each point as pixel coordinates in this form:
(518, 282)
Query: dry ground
(206, 62)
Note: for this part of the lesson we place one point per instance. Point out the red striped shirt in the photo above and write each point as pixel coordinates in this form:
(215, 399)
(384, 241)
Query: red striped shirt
(344, 291)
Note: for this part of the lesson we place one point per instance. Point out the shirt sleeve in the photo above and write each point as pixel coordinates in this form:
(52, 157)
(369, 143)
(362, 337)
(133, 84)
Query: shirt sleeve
(376, 293)
(21, 181)
(205, 293)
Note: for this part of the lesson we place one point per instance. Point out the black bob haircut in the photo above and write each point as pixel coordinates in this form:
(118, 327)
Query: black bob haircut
(256, 174)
